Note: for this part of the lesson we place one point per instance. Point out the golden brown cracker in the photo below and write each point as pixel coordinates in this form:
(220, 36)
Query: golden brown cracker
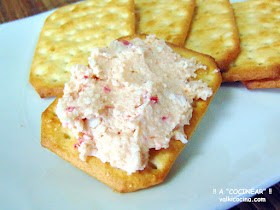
(258, 23)
(168, 20)
(70, 33)
(263, 83)
(60, 140)
(214, 31)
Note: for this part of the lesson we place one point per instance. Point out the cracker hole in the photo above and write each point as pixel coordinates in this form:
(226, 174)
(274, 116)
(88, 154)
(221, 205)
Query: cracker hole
(71, 33)
(53, 17)
(81, 27)
(72, 52)
(111, 27)
(79, 40)
(89, 3)
(265, 11)
(229, 44)
(211, 21)
(215, 36)
(42, 51)
(99, 15)
(89, 25)
(58, 39)
(48, 33)
(112, 10)
(62, 22)
(227, 26)
(77, 15)
(227, 35)
(152, 165)
(123, 1)
(67, 60)
(124, 15)
(87, 38)
(66, 136)
(53, 57)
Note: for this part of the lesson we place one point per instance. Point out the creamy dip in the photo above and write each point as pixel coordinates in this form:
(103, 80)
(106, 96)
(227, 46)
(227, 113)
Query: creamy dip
(133, 96)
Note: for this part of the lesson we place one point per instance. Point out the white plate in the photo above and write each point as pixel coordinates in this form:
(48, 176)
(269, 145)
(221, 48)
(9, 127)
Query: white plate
(236, 146)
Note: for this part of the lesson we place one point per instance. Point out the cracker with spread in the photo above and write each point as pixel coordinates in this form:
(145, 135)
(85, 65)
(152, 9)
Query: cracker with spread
(126, 116)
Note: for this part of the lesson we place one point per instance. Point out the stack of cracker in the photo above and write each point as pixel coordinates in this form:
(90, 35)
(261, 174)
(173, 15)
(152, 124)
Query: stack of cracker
(258, 64)
(208, 27)
(247, 51)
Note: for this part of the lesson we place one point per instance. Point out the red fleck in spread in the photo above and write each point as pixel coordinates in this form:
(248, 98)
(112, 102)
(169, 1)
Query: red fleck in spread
(70, 109)
(106, 89)
(76, 145)
(154, 99)
(137, 96)
(125, 42)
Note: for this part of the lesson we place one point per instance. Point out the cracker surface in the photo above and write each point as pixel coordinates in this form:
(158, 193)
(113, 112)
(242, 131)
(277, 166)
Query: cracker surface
(258, 24)
(70, 33)
(214, 32)
(60, 140)
(168, 20)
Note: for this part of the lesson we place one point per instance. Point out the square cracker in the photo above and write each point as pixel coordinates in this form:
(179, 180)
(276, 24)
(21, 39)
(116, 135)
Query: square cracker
(168, 20)
(214, 31)
(258, 23)
(263, 83)
(70, 33)
(60, 140)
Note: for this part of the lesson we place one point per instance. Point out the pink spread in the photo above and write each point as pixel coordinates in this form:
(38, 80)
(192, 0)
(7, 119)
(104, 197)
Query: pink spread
(133, 96)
